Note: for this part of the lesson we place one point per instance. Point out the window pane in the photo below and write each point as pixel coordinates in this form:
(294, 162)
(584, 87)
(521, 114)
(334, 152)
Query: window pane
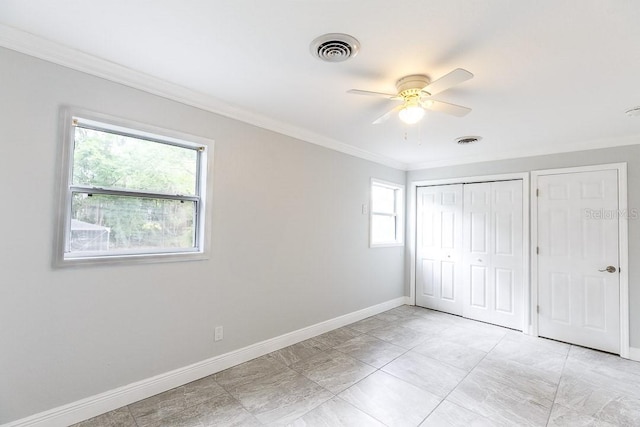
(114, 223)
(383, 229)
(103, 159)
(383, 199)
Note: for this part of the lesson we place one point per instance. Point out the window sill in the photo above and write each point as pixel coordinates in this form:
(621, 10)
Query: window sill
(386, 245)
(136, 259)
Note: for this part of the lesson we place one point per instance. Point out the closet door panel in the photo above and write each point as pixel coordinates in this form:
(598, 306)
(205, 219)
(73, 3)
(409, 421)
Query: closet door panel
(492, 235)
(469, 251)
(506, 257)
(439, 248)
(447, 280)
(477, 235)
(505, 291)
(478, 279)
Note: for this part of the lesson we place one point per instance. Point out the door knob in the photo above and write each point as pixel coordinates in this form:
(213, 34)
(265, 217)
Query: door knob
(609, 269)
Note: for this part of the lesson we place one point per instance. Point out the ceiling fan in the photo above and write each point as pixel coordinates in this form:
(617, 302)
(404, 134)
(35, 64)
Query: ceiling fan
(415, 92)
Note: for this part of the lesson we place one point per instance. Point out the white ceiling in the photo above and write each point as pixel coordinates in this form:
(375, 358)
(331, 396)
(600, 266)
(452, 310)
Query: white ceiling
(550, 75)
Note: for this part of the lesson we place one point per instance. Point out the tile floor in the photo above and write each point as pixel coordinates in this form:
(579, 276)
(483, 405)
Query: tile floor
(406, 367)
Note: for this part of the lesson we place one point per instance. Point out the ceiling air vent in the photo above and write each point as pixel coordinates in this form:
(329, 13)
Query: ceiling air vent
(335, 47)
(464, 140)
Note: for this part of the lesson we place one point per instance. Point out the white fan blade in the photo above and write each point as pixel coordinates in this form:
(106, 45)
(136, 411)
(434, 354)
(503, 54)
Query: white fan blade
(455, 77)
(386, 115)
(369, 93)
(445, 107)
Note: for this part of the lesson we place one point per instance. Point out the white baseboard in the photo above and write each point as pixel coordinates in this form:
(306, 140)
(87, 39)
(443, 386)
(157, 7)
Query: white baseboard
(634, 354)
(95, 405)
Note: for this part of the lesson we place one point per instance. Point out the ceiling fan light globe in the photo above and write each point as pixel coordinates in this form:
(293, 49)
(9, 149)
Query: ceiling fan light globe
(411, 114)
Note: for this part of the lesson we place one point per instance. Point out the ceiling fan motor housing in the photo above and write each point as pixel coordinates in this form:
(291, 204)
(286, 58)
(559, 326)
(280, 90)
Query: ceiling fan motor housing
(412, 85)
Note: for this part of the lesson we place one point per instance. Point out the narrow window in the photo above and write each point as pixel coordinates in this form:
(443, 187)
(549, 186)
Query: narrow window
(130, 193)
(387, 214)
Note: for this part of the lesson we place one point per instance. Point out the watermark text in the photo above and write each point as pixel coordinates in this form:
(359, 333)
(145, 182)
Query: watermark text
(611, 213)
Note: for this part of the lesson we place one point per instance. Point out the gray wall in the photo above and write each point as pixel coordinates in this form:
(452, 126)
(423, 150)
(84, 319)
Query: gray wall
(290, 248)
(628, 154)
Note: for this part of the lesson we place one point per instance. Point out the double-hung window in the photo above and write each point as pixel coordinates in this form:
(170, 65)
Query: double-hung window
(130, 191)
(387, 214)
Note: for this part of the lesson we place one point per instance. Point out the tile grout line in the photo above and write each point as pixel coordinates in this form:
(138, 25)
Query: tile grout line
(194, 405)
(355, 407)
(376, 369)
(134, 418)
(555, 395)
(444, 398)
(460, 382)
(319, 385)
(238, 400)
(335, 395)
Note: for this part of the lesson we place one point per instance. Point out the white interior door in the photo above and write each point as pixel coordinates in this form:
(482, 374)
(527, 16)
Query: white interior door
(493, 258)
(439, 248)
(579, 300)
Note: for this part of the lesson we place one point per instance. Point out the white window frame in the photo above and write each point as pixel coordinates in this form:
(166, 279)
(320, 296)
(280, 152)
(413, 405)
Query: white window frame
(398, 214)
(72, 117)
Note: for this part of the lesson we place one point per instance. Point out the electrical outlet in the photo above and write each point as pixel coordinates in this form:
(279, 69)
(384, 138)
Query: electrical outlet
(218, 334)
(365, 209)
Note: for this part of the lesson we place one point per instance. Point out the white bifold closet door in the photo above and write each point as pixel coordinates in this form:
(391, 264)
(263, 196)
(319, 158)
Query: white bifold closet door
(469, 251)
(439, 248)
(492, 253)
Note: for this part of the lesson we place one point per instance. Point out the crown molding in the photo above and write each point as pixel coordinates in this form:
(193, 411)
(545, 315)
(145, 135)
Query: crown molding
(516, 154)
(32, 45)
